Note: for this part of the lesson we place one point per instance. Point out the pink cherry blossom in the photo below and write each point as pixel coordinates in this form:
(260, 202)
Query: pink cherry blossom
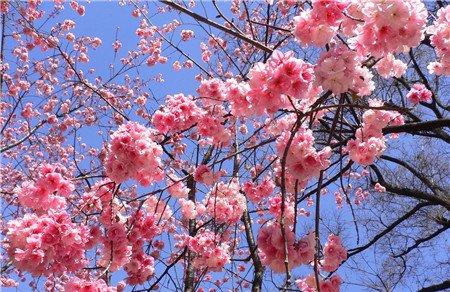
(419, 93)
(390, 26)
(281, 78)
(47, 244)
(257, 192)
(272, 248)
(388, 66)
(340, 70)
(440, 39)
(303, 161)
(210, 251)
(76, 284)
(176, 187)
(204, 174)
(225, 202)
(180, 113)
(47, 191)
(370, 142)
(329, 285)
(319, 25)
(334, 253)
(133, 153)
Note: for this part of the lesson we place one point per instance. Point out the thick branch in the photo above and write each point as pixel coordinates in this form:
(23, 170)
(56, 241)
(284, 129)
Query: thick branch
(257, 265)
(419, 126)
(412, 193)
(438, 287)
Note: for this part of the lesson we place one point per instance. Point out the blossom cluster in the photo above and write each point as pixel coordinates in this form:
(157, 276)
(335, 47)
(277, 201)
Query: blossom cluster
(334, 253)
(419, 93)
(179, 113)
(211, 91)
(271, 246)
(236, 93)
(140, 267)
(133, 153)
(257, 192)
(176, 187)
(47, 244)
(341, 70)
(319, 25)
(303, 161)
(76, 284)
(204, 174)
(191, 210)
(225, 203)
(308, 284)
(388, 66)
(274, 204)
(48, 191)
(389, 26)
(116, 249)
(211, 127)
(210, 251)
(374, 27)
(369, 142)
(440, 39)
(281, 78)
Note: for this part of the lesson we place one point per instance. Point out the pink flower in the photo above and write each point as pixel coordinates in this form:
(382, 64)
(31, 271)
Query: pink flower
(76, 284)
(271, 248)
(132, 153)
(388, 66)
(188, 209)
(319, 25)
(204, 174)
(389, 26)
(303, 161)
(379, 188)
(176, 187)
(237, 95)
(140, 268)
(210, 252)
(48, 191)
(440, 39)
(281, 75)
(211, 91)
(255, 192)
(334, 253)
(186, 34)
(419, 93)
(225, 203)
(309, 284)
(47, 244)
(179, 113)
(370, 142)
(340, 70)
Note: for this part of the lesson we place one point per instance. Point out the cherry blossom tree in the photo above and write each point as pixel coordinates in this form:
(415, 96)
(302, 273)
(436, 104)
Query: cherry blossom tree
(308, 153)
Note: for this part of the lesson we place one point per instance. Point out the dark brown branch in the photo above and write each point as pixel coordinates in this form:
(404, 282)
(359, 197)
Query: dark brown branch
(434, 188)
(397, 222)
(438, 287)
(411, 193)
(257, 265)
(424, 239)
(419, 126)
(216, 25)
